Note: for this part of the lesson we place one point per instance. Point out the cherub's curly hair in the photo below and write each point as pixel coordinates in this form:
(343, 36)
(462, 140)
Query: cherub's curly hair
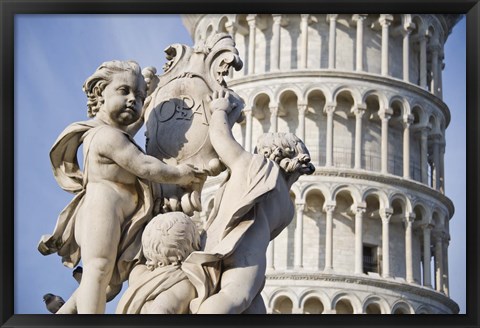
(96, 83)
(285, 149)
(168, 239)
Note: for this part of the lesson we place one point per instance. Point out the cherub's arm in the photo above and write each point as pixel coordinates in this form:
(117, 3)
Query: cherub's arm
(227, 148)
(116, 146)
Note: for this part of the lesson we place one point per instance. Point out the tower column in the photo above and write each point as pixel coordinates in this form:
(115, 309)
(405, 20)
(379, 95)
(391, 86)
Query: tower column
(438, 237)
(329, 109)
(427, 272)
(408, 220)
(385, 21)
(442, 167)
(424, 153)
(248, 129)
(435, 50)
(231, 29)
(302, 109)
(385, 117)
(406, 51)
(329, 208)
(406, 146)
(359, 19)
(304, 40)
(436, 161)
(359, 212)
(440, 73)
(252, 24)
(358, 111)
(298, 255)
(423, 62)
(332, 20)
(385, 215)
(273, 118)
(445, 265)
(275, 59)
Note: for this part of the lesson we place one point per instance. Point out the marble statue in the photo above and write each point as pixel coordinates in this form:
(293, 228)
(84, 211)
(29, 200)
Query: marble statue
(130, 217)
(103, 222)
(160, 286)
(251, 208)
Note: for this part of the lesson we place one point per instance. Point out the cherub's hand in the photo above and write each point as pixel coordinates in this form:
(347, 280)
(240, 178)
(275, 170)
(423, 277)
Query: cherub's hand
(190, 175)
(151, 79)
(219, 102)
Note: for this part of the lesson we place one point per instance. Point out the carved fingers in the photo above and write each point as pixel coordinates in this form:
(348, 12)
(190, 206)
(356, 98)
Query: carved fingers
(190, 175)
(219, 101)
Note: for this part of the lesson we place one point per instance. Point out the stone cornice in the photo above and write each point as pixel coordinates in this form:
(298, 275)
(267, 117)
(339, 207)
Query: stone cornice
(448, 21)
(391, 180)
(387, 284)
(362, 77)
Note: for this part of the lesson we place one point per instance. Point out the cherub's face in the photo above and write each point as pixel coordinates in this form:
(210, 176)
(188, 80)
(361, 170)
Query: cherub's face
(304, 167)
(123, 99)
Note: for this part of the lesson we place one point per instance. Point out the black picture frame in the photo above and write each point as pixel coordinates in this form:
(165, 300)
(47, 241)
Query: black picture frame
(9, 8)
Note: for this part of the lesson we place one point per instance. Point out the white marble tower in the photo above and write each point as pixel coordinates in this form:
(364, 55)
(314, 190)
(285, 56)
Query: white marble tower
(364, 92)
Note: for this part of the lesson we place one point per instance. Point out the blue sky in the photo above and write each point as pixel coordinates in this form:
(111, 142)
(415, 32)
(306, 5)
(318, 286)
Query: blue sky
(54, 54)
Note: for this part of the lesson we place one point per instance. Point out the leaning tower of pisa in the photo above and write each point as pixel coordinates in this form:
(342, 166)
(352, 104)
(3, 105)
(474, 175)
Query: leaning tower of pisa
(371, 229)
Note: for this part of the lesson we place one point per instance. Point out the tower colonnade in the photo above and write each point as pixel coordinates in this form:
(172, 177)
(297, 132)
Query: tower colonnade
(416, 119)
(261, 40)
(364, 92)
(426, 232)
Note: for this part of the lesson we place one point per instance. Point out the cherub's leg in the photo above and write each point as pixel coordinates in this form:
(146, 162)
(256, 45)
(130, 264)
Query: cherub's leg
(99, 245)
(244, 276)
(70, 306)
(239, 287)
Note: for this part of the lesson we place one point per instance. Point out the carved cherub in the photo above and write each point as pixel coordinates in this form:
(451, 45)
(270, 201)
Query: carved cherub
(103, 223)
(252, 207)
(160, 286)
